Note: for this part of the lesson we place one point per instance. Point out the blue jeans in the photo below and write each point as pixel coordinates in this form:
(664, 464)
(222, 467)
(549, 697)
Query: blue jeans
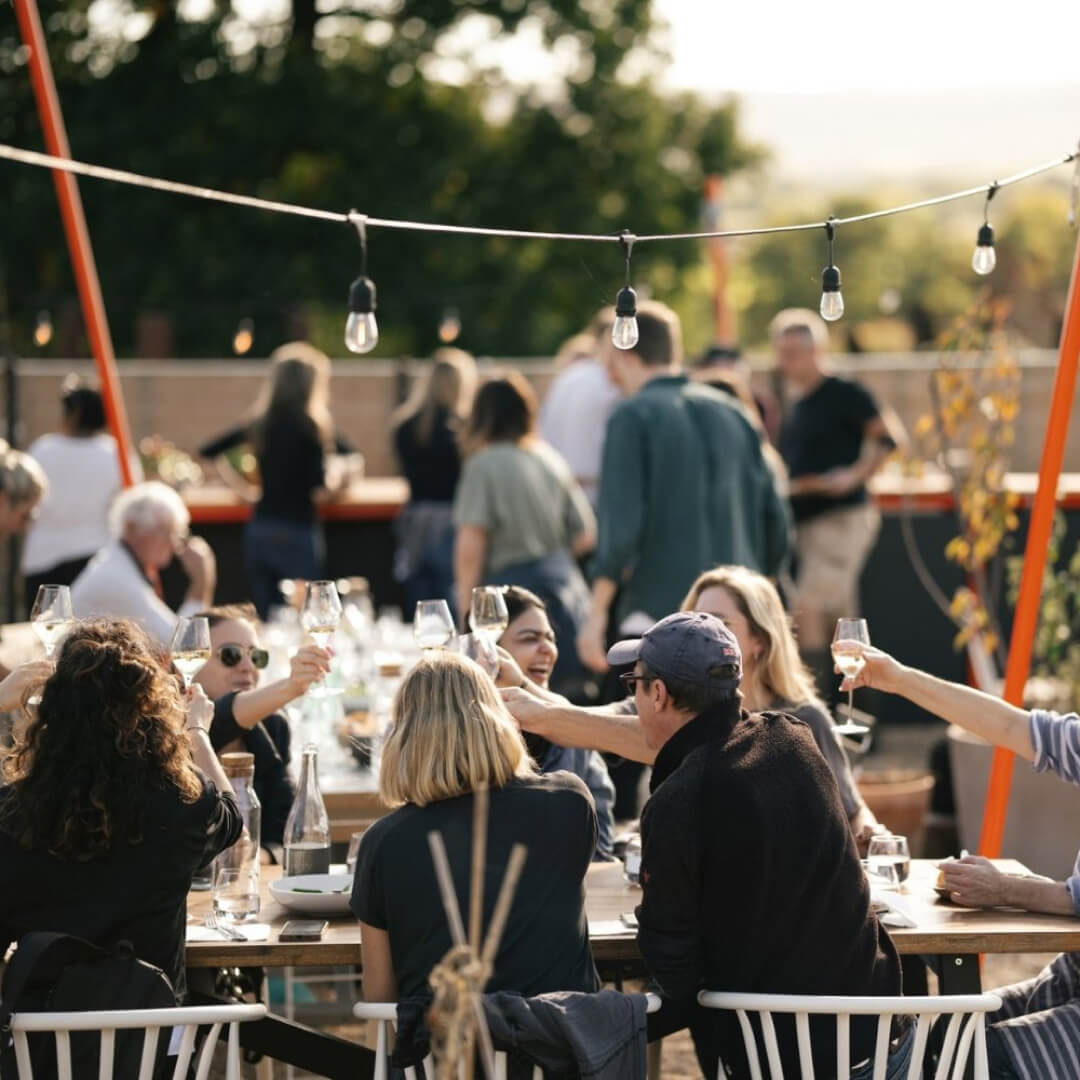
(276, 549)
(897, 1066)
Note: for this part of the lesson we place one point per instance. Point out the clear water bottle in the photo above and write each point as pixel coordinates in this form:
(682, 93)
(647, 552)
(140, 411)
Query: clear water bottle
(632, 860)
(307, 828)
(236, 880)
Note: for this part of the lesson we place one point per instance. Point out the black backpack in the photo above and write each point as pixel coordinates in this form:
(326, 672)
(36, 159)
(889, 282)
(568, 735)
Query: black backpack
(61, 973)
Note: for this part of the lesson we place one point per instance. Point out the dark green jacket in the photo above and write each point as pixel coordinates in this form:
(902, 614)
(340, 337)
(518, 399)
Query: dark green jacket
(683, 487)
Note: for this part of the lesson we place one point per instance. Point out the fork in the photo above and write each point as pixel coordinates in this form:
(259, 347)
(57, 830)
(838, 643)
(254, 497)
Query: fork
(212, 922)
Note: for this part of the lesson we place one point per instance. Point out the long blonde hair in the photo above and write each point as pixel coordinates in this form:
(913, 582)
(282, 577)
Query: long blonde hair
(297, 387)
(449, 384)
(779, 674)
(449, 735)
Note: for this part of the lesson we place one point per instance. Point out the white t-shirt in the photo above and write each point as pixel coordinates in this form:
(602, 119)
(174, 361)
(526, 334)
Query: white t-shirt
(574, 417)
(84, 478)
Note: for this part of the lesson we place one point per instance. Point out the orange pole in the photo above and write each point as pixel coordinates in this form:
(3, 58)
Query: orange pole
(78, 237)
(1026, 619)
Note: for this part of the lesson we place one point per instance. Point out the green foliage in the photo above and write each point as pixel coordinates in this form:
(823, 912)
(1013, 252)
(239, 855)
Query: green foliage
(311, 111)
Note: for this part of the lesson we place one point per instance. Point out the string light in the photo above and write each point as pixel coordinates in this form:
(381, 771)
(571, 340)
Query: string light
(449, 326)
(244, 337)
(984, 259)
(361, 330)
(832, 299)
(624, 331)
(43, 329)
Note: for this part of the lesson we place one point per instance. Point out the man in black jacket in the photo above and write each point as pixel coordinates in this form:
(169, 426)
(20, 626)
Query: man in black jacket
(750, 877)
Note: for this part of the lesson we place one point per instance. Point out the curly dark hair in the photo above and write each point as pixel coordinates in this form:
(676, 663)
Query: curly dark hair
(109, 729)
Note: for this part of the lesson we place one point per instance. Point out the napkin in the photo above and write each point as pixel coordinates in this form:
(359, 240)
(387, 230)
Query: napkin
(895, 914)
(608, 928)
(252, 931)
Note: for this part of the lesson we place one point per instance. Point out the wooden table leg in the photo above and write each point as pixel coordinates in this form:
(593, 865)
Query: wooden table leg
(653, 1059)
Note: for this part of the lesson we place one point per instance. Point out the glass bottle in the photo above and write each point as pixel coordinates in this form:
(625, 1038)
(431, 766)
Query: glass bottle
(632, 859)
(239, 897)
(307, 828)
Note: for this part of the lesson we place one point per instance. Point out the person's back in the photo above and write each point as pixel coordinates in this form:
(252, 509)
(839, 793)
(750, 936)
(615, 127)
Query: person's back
(546, 944)
(784, 901)
(432, 465)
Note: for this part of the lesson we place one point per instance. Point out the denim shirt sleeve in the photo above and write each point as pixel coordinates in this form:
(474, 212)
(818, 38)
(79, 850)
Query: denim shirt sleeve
(1056, 740)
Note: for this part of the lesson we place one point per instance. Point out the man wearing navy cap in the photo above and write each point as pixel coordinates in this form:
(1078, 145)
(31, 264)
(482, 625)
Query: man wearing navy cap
(750, 877)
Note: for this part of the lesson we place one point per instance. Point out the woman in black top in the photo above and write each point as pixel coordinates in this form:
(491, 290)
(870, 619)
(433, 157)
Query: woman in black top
(112, 799)
(426, 442)
(449, 735)
(291, 433)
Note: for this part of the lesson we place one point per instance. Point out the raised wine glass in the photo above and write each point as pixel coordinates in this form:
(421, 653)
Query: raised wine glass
(433, 625)
(320, 615)
(488, 614)
(51, 618)
(851, 635)
(190, 647)
(482, 650)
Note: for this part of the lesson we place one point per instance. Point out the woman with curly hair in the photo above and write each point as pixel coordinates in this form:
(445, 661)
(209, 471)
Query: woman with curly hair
(112, 798)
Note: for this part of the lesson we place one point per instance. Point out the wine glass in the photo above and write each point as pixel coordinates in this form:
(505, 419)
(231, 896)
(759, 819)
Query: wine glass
(51, 615)
(320, 615)
(481, 650)
(850, 636)
(488, 613)
(433, 625)
(889, 850)
(190, 647)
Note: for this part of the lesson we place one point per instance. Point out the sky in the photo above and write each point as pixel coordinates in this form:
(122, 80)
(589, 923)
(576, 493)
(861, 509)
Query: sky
(852, 89)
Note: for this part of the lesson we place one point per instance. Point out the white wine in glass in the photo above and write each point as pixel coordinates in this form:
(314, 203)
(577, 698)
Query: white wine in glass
(190, 647)
(51, 615)
(433, 625)
(488, 613)
(320, 615)
(848, 641)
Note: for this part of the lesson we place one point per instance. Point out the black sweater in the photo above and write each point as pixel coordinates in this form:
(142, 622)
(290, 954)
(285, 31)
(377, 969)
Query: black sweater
(752, 882)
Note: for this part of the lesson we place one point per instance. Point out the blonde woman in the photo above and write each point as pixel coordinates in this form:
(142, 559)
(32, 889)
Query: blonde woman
(774, 677)
(22, 485)
(291, 432)
(449, 736)
(426, 430)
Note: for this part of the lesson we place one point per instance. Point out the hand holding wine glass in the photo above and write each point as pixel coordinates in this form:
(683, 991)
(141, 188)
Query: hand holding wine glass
(488, 613)
(433, 625)
(319, 616)
(190, 647)
(51, 615)
(848, 642)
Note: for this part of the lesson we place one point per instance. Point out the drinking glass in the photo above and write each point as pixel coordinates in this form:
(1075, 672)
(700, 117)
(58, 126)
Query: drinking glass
(481, 650)
(433, 625)
(888, 850)
(850, 635)
(51, 618)
(353, 852)
(236, 894)
(320, 615)
(881, 875)
(488, 613)
(51, 615)
(190, 647)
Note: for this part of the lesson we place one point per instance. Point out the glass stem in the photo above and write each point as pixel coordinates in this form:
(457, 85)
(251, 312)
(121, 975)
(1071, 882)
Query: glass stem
(850, 704)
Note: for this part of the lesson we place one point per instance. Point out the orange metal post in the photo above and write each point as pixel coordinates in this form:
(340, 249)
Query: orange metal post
(78, 238)
(1042, 519)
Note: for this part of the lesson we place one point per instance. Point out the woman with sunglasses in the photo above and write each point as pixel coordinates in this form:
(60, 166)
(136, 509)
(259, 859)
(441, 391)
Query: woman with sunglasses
(247, 716)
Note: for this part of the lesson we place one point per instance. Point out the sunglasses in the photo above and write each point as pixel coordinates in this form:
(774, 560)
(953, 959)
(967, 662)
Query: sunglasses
(630, 681)
(231, 655)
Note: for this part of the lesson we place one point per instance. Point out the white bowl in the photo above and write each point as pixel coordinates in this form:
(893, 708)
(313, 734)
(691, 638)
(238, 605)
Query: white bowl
(314, 894)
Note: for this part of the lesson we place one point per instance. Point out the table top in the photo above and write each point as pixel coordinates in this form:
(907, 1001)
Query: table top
(942, 927)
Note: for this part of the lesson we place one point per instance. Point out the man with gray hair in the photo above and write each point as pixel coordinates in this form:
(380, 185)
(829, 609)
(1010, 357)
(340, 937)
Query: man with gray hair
(833, 439)
(149, 525)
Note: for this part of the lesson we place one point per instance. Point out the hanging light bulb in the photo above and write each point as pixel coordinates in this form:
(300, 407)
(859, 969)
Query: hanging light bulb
(449, 326)
(361, 329)
(244, 337)
(984, 258)
(43, 329)
(624, 331)
(832, 299)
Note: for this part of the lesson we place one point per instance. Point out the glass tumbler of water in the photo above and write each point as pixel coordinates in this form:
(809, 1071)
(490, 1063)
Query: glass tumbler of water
(632, 860)
(236, 894)
(892, 851)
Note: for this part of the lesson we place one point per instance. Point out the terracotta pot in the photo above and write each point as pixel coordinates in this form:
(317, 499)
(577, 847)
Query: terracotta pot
(899, 799)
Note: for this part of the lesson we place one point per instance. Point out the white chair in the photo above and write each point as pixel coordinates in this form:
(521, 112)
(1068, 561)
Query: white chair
(386, 1013)
(967, 1028)
(185, 1021)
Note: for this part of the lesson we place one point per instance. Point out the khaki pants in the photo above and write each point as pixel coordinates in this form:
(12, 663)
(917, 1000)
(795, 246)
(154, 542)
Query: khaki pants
(833, 548)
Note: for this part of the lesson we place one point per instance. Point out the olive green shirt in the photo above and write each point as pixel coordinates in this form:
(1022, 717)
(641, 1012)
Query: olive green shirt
(525, 499)
(684, 486)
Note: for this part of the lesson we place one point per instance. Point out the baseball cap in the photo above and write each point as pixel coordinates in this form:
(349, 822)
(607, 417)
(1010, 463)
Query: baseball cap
(691, 646)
